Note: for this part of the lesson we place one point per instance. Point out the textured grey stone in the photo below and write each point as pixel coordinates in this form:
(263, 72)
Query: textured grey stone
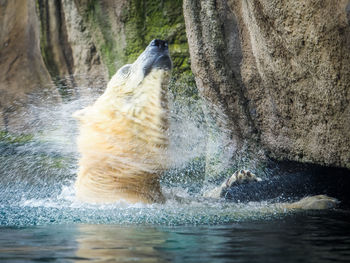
(293, 97)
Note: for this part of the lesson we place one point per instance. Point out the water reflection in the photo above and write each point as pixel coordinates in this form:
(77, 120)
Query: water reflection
(106, 243)
(318, 237)
(313, 237)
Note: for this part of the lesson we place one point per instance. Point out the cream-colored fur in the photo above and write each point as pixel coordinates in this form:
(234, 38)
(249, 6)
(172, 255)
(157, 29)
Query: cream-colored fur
(123, 140)
(316, 202)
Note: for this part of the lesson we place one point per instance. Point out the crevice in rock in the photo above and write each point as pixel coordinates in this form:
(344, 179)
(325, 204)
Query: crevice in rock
(55, 49)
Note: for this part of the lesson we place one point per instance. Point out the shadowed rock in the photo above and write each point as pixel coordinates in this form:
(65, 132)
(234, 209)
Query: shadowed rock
(292, 98)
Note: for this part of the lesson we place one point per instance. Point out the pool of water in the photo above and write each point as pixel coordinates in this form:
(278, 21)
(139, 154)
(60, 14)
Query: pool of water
(41, 221)
(302, 237)
(45, 223)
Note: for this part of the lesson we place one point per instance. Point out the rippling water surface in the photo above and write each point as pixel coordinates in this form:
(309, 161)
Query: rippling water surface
(309, 237)
(41, 224)
(41, 221)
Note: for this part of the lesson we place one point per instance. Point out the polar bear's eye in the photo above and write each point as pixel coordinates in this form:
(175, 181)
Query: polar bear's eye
(155, 42)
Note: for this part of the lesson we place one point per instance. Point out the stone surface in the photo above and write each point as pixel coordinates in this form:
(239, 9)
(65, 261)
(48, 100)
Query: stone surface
(22, 69)
(122, 29)
(45, 49)
(293, 97)
(68, 48)
(88, 69)
(275, 72)
(75, 46)
(215, 57)
(215, 61)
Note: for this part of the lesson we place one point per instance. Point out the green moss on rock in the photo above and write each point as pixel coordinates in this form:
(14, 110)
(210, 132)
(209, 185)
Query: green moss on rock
(146, 20)
(15, 138)
(140, 22)
(95, 16)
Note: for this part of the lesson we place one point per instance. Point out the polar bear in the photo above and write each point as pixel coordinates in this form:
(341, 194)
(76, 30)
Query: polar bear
(241, 177)
(123, 136)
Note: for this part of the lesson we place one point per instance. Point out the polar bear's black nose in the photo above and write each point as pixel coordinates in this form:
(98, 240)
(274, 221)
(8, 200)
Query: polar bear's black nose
(160, 44)
(156, 55)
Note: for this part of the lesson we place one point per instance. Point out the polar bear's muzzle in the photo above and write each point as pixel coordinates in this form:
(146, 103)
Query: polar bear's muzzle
(163, 62)
(155, 56)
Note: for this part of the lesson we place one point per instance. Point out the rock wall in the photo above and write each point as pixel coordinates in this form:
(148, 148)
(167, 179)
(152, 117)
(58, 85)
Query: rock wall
(45, 49)
(122, 29)
(67, 47)
(215, 58)
(293, 86)
(302, 57)
(22, 69)
(58, 45)
(276, 72)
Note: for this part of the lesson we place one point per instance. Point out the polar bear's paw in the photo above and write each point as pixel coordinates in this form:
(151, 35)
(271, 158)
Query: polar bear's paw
(238, 178)
(316, 202)
(241, 177)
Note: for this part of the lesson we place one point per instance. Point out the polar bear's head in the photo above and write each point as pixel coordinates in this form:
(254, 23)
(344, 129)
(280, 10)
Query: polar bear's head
(154, 58)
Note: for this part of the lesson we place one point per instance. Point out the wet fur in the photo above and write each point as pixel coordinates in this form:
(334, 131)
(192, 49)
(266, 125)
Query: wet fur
(123, 140)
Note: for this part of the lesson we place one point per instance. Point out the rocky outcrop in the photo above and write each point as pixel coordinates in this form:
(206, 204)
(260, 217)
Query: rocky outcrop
(295, 73)
(22, 69)
(302, 57)
(60, 45)
(45, 49)
(216, 54)
(215, 60)
(67, 47)
(275, 72)
(122, 29)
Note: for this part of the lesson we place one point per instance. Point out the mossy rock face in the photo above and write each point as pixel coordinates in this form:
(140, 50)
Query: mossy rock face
(147, 20)
(95, 16)
(121, 35)
(6, 137)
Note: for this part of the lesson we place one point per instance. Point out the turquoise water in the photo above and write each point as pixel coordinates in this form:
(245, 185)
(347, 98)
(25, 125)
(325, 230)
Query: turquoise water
(306, 237)
(41, 221)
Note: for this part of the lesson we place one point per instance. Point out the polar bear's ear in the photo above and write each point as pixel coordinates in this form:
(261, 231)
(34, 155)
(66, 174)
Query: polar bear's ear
(120, 77)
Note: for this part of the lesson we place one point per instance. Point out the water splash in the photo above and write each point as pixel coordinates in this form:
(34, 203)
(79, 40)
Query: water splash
(38, 173)
(64, 209)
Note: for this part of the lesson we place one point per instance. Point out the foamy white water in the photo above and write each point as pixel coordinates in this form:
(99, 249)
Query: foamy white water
(37, 185)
